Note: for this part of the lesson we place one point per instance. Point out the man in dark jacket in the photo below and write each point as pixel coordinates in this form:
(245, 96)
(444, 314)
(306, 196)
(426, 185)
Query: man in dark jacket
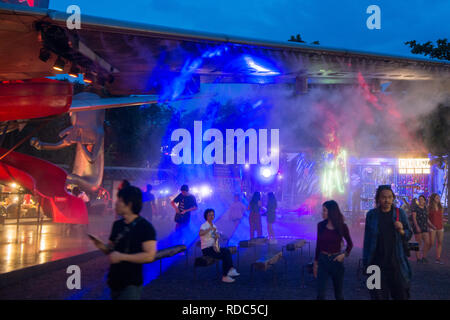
(386, 231)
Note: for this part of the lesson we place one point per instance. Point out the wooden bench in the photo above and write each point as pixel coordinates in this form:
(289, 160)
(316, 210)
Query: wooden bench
(297, 244)
(169, 252)
(268, 261)
(253, 242)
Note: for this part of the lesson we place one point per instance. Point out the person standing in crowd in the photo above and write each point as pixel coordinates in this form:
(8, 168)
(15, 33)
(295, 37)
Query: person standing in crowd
(436, 224)
(236, 210)
(132, 243)
(255, 215)
(209, 237)
(356, 204)
(186, 203)
(329, 257)
(419, 217)
(148, 206)
(411, 207)
(386, 231)
(271, 215)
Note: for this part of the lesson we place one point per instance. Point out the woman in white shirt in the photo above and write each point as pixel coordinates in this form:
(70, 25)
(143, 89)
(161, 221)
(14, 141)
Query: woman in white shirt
(208, 237)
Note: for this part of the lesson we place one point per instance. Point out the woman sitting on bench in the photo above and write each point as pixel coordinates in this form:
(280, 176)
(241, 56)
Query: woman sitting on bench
(209, 238)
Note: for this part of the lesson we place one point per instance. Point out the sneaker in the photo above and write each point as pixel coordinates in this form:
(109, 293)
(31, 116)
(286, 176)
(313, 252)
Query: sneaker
(233, 273)
(227, 279)
(424, 260)
(438, 261)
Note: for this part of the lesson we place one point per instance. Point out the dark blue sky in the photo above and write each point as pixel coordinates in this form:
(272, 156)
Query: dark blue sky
(338, 24)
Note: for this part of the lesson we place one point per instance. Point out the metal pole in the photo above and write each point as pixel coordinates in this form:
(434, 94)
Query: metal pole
(18, 216)
(38, 217)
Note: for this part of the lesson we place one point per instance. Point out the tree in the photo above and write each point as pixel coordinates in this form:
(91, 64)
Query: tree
(436, 127)
(299, 39)
(441, 51)
(435, 133)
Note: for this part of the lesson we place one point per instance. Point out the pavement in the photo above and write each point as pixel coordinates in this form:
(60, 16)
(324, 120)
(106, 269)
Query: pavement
(430, 281)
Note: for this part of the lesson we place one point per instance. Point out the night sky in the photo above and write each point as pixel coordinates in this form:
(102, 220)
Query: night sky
(336, 24)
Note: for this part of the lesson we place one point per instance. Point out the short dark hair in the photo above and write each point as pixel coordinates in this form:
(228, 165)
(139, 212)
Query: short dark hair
(205, 214)
(184, 187)
(380, 189)
(424, 198)
(134, 195)
(125, 183)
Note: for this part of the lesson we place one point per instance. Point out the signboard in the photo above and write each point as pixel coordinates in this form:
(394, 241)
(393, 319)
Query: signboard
(414, 166)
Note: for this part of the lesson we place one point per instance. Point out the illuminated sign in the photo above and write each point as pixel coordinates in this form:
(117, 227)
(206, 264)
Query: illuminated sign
(414, 166)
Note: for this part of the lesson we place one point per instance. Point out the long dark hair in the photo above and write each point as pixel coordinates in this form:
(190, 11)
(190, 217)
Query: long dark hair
(271, 201)
(335, 216)
(433, 204)
(254, 202)
(378, 194)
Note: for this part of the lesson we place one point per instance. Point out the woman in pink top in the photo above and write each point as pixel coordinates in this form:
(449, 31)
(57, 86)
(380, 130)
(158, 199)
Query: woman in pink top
(435, 222)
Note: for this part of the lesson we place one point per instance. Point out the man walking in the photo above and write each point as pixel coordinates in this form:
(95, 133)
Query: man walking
(132, 243)
(386, 233)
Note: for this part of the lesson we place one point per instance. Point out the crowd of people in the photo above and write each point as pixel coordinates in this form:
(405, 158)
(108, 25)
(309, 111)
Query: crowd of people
(387, 231)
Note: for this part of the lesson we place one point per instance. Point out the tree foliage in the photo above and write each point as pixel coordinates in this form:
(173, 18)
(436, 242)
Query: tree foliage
(298, 38)
(441, 51)
(436, 131)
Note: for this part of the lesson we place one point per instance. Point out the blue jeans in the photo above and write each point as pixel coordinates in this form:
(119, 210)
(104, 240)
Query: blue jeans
(127, 293)
(329, 268)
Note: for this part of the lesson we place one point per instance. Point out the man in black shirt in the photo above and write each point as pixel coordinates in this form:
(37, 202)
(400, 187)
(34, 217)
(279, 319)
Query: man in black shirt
(186, 203)
(132, 243)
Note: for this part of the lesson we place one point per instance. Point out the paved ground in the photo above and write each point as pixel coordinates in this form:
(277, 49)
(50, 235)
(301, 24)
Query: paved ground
(431, 281)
